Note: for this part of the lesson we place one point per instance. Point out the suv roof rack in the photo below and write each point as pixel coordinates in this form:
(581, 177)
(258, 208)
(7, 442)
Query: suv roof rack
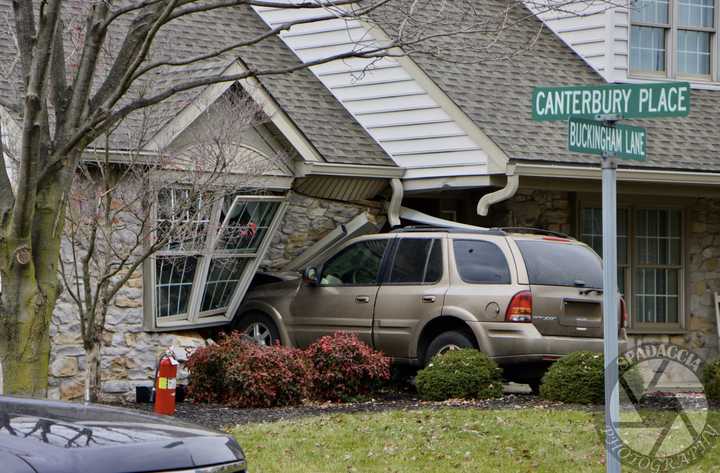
(434, 228)
(535, 231)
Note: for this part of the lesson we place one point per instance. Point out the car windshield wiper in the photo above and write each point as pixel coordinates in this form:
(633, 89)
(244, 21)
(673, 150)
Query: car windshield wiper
(585, 292)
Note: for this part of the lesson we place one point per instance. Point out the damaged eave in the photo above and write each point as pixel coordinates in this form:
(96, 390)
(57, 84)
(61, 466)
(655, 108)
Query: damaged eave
(303, 169)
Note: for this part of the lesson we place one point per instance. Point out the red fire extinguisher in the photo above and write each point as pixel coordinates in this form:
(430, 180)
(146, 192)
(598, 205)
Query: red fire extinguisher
(165, 383)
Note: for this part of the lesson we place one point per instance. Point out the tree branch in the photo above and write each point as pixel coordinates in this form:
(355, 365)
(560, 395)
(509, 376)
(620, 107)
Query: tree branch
(25, 30)
(7, 198)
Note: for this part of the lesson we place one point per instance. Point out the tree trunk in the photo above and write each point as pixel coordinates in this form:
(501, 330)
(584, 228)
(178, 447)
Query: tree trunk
(30, 287)
(92, 371)
(25, 337)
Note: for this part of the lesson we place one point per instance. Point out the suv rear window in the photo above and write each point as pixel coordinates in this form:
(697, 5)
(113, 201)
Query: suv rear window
(560, 264)
(481, 262)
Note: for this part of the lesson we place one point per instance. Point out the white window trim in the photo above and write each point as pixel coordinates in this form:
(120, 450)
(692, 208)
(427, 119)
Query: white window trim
(194, 318)
(671, 47)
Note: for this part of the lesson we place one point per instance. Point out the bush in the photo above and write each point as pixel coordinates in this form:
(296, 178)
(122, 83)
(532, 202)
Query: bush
(580, 378)
(344, 367)
(240, 373)
(711, 380)
(460, 374)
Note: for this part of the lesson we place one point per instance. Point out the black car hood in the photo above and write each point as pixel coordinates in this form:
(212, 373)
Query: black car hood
(56, 437)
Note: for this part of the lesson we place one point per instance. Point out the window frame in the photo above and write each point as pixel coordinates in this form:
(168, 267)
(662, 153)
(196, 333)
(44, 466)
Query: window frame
(672, 69)
(194, 318)
(633, 326)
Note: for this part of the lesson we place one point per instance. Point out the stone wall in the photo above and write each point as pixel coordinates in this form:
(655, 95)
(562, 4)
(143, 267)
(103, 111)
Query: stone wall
(550, 210)
(129, 353)
(307, 220)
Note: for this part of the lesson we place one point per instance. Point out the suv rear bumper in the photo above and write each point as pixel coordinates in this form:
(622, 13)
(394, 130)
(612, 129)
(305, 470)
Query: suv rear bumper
(510, 343)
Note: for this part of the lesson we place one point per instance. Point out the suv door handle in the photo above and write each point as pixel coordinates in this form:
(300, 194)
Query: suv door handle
(362, 299)
(428, 299)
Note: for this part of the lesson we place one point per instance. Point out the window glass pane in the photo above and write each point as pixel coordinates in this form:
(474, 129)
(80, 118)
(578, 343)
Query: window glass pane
(415, 262)
(435, 264)
(561, 264)
(223, 276)
(650, 11)
(358, 264)
(647, 49)
(694, 52)
(696, 13)
(173, 284)
(658, 237)
(591, 234)
(481, 262)
(246, 223)
(182, 219)
(656, 295)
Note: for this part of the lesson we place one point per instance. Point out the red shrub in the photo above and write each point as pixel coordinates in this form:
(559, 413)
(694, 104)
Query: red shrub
(345, 367)
(208, 366)
(239, 373)
(267, 377)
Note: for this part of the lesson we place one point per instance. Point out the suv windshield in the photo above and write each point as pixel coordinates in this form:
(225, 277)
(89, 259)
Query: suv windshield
(560, 264)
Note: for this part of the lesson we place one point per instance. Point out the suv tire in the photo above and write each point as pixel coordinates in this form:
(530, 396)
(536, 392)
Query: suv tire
(258, 327)
(451, 340)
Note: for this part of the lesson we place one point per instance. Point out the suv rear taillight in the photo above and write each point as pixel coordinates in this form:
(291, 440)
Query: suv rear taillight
(520, 308)
(623, 313)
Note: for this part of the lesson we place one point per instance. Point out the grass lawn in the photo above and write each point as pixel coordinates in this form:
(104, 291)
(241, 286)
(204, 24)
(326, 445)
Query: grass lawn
(442, 440)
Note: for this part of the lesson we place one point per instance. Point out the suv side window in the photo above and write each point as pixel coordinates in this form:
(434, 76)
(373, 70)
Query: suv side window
(357, 264)
(417, 261)
(481, 262)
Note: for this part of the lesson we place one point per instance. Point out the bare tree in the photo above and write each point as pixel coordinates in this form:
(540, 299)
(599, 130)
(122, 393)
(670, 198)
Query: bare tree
(83, 67)
(110, 230)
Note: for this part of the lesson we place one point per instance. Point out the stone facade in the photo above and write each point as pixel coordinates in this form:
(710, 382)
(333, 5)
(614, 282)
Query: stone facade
(307, 220)
(129, 353)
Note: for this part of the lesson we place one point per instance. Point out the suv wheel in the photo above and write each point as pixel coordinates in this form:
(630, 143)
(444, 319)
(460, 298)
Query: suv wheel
(259, 328)
(445, 342)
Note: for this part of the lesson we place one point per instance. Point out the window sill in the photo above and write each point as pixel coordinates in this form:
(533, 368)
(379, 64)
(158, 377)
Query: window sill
(654, 331)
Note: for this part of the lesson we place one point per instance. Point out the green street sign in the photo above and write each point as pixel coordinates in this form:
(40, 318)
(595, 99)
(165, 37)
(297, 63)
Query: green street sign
(670, 99)
(593, 137)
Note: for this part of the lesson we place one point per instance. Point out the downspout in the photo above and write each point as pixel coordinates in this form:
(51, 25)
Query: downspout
(511, 187)
(393, 208)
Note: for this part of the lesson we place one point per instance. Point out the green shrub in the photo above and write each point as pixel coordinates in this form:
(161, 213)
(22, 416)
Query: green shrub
(711, 380)
(459, 374)
(580, 378)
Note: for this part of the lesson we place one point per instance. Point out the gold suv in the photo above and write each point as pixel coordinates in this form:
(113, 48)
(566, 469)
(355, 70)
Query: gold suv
(523, 297)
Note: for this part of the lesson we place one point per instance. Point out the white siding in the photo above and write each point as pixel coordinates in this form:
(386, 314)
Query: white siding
(392, 106)
(596, 31)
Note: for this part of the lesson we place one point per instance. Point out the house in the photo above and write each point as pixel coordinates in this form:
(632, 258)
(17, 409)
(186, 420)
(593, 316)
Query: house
(430, 135)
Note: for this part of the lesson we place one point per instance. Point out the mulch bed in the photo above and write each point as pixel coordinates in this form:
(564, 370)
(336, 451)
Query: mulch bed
(217, 416)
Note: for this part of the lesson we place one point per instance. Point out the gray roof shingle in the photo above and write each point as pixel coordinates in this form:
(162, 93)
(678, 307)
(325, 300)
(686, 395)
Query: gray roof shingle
(493, 83)
(318, 115)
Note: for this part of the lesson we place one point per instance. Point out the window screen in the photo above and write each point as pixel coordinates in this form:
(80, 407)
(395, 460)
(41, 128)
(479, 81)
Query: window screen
(417, 260)
(481, 262)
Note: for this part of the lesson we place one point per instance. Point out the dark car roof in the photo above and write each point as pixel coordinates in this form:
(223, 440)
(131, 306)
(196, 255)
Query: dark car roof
(62, 437)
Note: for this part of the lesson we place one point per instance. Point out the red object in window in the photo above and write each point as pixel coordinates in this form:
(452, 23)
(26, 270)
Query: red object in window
(520, 308)
(553, 238)
(165, 384)
(623, 313)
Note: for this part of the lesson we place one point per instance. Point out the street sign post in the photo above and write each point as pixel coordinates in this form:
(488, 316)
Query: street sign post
(593, 137)
(592, 113)
(671, 99)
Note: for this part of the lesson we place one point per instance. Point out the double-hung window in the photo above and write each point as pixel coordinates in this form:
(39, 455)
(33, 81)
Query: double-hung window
(212, 247)
(674, 38)
(650, 261)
